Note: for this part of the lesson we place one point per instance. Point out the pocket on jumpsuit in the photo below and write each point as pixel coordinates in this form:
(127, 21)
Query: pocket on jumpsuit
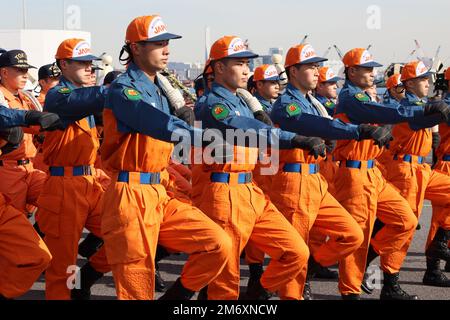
(123, 239)
(50, 214)
(220, 204)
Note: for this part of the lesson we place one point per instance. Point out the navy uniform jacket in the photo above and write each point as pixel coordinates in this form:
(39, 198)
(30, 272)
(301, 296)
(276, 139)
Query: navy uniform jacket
(140, 107)
(11, 117)
(358, 107)
(224, 110)
(294, 112)
(72, 104)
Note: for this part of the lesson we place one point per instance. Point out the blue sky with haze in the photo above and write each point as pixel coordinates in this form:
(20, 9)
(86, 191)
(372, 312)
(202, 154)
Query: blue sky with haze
(265, 23)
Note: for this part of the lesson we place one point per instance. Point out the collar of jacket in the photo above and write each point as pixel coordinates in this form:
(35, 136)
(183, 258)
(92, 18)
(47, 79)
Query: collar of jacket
(226, 94)
(297, 94)
(411, 98)
(63, 82)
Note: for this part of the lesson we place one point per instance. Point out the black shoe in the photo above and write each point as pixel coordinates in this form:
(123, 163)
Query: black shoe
(351, 296)
(255, 291)
(325, 273)
(177, 292)
(203, 294)
(392, 291)
(90, 245)
(307, 292)
(434, 276)
(438, 248)
(88, 277)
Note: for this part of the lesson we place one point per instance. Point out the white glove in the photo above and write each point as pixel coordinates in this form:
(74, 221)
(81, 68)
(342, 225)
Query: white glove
(253, 103)
(173, 95)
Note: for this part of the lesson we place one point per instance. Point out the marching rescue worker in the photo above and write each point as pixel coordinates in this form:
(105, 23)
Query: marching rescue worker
(443, 166)
(416, 181)
(360, 186)
(23, 253)
(326, 90)
(138, 211)
(21, 182)
(297, 189)
(72, 197)
(229, 196)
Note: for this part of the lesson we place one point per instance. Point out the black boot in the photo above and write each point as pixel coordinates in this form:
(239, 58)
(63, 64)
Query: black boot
(160, 285)
(434, 276)
(351, 296)
(316, 270)
(307, 292)
(90, 245)
(366, 286)
(392, 291)
(88, 277)
(177, 292)
(438, 248)
(254, 289)
(326, 273)
(203, 294)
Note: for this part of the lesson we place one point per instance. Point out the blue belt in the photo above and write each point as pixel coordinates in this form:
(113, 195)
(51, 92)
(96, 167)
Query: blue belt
(446, 157)
(144, 177)
(356, 164)
(76, 171)
(409, 158)
(297, 167)
(223, 177)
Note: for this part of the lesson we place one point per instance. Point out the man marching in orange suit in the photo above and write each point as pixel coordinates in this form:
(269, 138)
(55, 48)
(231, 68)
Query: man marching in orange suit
(139, 212)
(72, 197)
(23, 254)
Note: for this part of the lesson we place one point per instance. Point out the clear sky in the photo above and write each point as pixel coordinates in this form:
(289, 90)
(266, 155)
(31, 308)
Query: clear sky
(276, 23)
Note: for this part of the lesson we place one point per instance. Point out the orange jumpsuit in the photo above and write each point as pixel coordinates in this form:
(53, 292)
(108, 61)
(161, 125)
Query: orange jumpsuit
(440, 214)
(227, 194)
(23, 254)
(363, 191)
(20, 181)
(139, 213)
(72, 197)
(415, 181)
(328, 169)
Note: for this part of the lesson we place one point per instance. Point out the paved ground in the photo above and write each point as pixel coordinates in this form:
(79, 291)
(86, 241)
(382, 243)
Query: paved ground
(411, 276)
